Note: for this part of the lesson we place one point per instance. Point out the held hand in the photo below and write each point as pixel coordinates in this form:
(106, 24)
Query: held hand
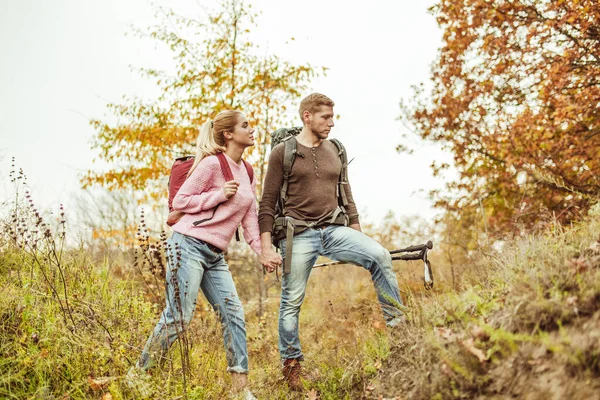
(270, 260)
(230, 188)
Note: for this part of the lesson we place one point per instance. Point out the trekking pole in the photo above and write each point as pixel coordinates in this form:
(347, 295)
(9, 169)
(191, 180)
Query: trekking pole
(422, 250)
(417, 247)
(422, 255)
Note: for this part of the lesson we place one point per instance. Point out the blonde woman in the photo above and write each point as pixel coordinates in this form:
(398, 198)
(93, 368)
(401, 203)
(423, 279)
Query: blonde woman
(209, 209)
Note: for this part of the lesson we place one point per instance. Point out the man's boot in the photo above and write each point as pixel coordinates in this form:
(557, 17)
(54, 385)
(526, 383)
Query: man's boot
(291, 374)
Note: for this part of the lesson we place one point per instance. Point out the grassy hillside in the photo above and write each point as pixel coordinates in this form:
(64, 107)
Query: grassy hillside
(527, 327)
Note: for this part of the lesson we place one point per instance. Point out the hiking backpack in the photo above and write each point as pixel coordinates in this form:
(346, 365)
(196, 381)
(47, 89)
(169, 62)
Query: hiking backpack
(181, 168)
(284, 227)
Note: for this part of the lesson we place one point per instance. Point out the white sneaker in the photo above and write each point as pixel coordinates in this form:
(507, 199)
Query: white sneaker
(245, 394)
(138, 381)
(400, 320)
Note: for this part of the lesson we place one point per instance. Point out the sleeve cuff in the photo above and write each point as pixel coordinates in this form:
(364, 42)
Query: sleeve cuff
(266, 225)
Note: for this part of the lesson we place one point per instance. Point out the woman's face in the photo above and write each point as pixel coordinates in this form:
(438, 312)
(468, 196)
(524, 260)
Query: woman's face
(243, 133)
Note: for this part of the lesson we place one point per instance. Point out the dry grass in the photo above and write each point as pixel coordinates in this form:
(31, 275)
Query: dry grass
(529, 329)
(71, 327)
(526, 324)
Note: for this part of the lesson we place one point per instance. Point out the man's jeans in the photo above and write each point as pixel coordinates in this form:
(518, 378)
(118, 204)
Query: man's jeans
(192, 265)
(337, 243)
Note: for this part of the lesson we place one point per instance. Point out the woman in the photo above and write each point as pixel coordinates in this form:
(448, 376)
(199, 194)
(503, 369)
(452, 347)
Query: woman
(211, 209)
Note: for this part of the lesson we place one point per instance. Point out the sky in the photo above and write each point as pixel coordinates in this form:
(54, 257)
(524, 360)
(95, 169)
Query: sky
(63, 61)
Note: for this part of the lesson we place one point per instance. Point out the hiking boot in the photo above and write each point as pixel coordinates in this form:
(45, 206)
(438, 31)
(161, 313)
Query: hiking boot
(139, 381)
(291, 374)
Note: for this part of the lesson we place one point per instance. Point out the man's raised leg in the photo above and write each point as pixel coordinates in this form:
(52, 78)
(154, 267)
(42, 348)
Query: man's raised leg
(349, 245)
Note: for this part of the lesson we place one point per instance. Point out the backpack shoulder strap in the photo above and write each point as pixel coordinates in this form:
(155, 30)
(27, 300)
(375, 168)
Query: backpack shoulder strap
(289, 155)
(229, 177)
(227, 171)
(225, 167)
(250, 170)
(343, 180)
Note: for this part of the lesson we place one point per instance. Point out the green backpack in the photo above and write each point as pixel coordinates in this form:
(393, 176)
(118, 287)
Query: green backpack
(284, 227)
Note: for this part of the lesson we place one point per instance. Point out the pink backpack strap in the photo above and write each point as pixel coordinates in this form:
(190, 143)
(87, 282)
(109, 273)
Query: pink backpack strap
(227, 171)
(229, 177)
(225, 167)
(250, 170)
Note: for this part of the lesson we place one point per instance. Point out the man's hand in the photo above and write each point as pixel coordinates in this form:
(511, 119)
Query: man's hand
(270, 259)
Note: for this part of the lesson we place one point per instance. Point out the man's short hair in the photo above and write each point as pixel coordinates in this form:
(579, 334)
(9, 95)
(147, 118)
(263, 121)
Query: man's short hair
(312, 102)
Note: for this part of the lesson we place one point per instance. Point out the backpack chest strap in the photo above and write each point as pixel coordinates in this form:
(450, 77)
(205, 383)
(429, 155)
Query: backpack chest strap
(289, 155)
(343, 178)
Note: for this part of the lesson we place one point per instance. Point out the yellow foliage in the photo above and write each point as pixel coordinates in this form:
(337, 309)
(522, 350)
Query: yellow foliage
(222, 71)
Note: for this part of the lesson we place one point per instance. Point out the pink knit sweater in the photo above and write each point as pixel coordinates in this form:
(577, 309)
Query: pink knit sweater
(203, 191)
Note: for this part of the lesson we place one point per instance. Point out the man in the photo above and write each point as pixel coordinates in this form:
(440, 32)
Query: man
(318, 220)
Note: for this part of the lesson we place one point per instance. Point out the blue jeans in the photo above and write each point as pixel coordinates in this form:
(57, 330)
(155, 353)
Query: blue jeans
(193, 265)
(337, 243)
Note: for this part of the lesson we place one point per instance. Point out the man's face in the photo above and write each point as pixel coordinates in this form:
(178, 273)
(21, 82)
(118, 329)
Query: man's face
(320, 122)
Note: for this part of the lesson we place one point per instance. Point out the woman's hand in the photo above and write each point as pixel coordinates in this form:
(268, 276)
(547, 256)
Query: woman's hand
(270, 260)
(230, 188)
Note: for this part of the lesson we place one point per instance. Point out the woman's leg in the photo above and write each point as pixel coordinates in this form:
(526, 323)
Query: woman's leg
(218, 287)
(239, 381)
(184, 274)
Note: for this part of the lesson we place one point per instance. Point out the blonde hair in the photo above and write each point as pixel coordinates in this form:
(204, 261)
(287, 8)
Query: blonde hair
(211, 139)
(312, 102)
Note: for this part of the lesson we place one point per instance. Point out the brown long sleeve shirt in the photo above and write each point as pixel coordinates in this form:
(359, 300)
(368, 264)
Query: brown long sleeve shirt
(311, 185)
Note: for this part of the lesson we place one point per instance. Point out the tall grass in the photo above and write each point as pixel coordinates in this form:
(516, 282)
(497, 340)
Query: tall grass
(529, 327)
(72, 326)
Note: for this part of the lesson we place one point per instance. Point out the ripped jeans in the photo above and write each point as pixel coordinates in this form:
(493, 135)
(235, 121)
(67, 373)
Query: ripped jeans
(337, 243)
(192, 265)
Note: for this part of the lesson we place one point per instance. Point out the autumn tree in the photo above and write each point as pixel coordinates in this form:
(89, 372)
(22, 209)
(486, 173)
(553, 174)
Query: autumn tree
(217, 67)
(516, 99)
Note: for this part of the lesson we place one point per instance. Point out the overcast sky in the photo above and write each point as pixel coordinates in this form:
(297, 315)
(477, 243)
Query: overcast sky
(63, 60)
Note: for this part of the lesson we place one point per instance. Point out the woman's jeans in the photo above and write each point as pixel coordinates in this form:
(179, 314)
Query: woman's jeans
(337, 243)
(192, 265)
